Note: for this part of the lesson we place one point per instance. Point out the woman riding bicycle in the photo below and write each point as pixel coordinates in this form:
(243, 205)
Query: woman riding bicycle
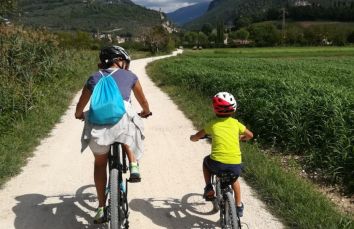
(128, 131)
(226, 155)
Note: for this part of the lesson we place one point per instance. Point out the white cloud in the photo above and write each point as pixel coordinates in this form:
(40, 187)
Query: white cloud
(167, 5)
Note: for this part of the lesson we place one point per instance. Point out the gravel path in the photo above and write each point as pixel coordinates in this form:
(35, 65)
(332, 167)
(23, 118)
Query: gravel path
(55, 188)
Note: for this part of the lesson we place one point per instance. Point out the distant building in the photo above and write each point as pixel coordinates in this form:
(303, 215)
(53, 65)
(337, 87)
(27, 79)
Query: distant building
(302, 3)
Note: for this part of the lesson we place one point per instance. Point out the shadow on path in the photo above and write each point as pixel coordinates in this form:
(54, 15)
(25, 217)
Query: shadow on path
(175, 213)
(37, 211)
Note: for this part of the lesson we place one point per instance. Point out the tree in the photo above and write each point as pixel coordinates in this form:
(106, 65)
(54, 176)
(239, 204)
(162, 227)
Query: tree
(191, 38)
(294, 35)
(207, 29)
(157, 39)
(242, 22)
(265, 34)
(242, 34)
(350, 38)
(7, 6)
(212, 37)
(220, 33)
(203, 39)
(338, 37)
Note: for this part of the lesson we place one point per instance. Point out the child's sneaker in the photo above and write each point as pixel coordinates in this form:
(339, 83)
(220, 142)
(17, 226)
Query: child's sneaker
(100, 216)
(208, 192)
(239, 210)
(134, 172)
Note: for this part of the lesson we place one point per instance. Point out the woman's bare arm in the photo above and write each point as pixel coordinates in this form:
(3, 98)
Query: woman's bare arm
(140, 97)
(84, 98)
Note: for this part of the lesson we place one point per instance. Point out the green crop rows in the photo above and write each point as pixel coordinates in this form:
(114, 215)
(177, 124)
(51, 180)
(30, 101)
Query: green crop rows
(298, 101)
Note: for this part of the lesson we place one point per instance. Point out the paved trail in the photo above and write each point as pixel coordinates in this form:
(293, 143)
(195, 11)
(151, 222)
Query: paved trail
(55, 189)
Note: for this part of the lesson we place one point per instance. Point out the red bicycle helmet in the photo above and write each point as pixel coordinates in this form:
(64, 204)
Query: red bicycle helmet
(224, 103)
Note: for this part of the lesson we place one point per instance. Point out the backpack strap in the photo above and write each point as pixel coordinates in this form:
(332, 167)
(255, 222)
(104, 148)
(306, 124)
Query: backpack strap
(109, 73)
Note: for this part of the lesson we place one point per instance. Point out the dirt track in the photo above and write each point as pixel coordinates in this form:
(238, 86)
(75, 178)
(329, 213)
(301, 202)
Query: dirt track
(55, 189)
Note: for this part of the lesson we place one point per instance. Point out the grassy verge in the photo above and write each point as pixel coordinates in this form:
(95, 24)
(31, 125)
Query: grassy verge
(19, 142)
(294, 200)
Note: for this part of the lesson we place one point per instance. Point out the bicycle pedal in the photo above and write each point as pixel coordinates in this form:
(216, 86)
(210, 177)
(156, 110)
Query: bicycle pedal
(134, 179)
(101, 220)
(212, 198)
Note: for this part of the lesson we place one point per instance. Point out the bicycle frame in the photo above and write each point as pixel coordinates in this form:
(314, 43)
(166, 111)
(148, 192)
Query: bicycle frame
(117, 161)
(224, 194)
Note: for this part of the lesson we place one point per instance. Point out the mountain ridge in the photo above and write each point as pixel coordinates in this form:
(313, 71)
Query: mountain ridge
(188, 13)
(259, 10)
(88, 15)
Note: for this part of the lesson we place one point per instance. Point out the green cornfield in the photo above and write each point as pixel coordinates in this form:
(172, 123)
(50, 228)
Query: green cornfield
(296, 100)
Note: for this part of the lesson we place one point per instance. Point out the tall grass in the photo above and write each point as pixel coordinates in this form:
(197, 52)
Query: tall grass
(301, 105)
(37, 82)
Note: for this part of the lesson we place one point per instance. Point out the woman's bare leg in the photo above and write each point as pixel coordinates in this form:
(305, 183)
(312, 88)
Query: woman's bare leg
(100, 176)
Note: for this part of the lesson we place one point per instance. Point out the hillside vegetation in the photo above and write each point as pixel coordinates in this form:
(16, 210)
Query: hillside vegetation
(90, 15)
(37, 82)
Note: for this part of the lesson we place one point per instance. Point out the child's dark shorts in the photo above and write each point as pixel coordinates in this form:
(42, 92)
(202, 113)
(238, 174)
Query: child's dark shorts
(216, 167)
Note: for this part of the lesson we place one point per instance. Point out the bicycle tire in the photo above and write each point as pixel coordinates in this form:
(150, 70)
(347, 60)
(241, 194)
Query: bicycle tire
(231, 220)
(124, 210)
(114, 199)
(218, 195)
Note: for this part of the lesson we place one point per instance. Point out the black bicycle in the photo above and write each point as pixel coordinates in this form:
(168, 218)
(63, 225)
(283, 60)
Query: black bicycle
(224, 197)
(117, 210)
(224, 200)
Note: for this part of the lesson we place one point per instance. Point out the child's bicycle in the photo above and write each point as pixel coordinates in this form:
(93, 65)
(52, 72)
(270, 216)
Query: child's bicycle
(117, 210)
(224, 200)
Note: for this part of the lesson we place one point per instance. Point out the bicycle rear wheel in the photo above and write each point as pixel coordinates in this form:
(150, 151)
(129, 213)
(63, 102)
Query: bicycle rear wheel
(114, 199)
(230, 217)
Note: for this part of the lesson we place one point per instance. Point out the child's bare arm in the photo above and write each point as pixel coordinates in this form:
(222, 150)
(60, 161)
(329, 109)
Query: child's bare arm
(200, 134)
(247, 135)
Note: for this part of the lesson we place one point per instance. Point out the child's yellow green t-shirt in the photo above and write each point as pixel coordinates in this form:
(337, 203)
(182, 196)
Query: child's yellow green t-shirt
(225, 133)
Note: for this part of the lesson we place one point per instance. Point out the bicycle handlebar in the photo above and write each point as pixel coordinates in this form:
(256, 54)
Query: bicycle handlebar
(207, 137)
(145, 116)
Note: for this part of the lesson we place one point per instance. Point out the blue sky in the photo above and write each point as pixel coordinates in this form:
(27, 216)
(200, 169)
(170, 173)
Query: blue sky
(167, 5)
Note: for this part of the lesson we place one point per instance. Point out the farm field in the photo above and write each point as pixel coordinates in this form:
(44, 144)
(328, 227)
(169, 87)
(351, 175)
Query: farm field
(298, 101)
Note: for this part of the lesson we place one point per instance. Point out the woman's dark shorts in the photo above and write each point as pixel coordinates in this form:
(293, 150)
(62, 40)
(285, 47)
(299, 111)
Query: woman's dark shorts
(216, 167)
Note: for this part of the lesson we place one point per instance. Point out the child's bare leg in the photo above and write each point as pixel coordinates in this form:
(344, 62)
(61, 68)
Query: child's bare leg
(207, 175)
(130, 153)
(237, 192)
(100, 177)
(133, 165)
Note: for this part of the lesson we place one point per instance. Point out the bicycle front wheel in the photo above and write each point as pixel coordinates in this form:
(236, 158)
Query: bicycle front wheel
(114, 200)
(230, 217)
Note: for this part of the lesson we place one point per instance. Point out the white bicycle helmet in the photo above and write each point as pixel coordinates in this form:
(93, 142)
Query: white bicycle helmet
(224, 103)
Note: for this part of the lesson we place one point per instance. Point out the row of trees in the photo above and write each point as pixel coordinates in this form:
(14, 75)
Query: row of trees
(313, 12)
(155, 40)
(268, 34)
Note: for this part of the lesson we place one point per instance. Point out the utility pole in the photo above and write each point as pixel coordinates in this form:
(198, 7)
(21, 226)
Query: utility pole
(283, 24)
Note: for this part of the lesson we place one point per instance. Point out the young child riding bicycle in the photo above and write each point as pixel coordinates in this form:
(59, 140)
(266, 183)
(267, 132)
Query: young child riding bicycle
(226, 132)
